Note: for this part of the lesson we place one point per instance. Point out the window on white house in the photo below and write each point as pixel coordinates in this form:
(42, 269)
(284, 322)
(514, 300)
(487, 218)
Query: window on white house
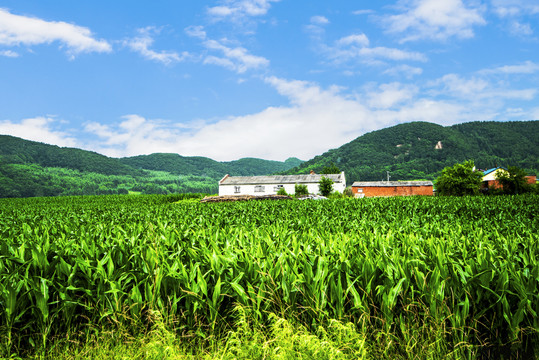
(236, 189)
(278, 187)
(259, 188)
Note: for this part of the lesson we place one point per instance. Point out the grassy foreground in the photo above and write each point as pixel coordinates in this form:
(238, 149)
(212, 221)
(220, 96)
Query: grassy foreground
(146, 277)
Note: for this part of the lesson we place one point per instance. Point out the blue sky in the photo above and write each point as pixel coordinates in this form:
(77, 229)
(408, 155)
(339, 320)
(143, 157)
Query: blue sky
(271, 79)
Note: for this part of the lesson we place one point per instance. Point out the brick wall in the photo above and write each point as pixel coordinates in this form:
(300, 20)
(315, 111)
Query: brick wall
(370, 191)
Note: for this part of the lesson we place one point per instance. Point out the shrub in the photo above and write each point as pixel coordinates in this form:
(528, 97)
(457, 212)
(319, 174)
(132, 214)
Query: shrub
(301, 189)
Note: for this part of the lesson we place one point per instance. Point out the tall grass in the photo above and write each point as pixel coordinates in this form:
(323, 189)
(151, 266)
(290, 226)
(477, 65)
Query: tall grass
(412, 277)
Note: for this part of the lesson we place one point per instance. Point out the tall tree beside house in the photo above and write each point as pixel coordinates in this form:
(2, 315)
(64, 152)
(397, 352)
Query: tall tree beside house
(326, 186)
(459, 180)
(513, 181)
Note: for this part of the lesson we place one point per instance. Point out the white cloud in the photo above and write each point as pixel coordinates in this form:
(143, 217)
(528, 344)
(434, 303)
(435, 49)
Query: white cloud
(37, 129)
(512, 8)
(477, 89)
(354, 39)
(314, 120)
(9, 53)
(133, 136)
(434, 20)
(363, 12)
(239, 9)
(18, 30)
(196, 32)
(404, 70)
(144, 40)
(390, 95)
(517, 28)
(319, 20)
(235, 58)
(514, 12)
(460, 87)
(356, 47)
(527, 67)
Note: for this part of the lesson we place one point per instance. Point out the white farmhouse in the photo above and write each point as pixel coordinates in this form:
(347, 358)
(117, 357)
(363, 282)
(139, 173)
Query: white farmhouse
(270, 185)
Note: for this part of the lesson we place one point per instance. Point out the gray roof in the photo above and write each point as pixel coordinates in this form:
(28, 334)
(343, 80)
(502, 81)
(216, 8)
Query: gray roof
(279, 179)
(391, 183)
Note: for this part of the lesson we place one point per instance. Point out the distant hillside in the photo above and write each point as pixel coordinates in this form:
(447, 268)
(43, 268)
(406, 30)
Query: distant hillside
(14, 150)
(29, 168)
(202, 166)
(420, 150)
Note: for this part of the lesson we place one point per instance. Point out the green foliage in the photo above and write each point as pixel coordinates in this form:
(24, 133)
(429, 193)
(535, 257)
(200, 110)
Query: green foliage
(513, 181)
(331, 169)
(459, 180)
(325, 186)
(31, 169)
(444, 276)
(410, 151)
(281, 191)
(301, 189)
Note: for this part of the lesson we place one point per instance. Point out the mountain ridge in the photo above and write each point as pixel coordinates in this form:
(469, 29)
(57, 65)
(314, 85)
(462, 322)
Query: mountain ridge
(409, 151)
(420, 150)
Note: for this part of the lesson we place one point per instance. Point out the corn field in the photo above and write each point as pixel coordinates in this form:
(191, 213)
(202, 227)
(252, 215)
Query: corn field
(457, 273)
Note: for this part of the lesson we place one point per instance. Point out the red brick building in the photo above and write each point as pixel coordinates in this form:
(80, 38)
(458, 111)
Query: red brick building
(392, 188)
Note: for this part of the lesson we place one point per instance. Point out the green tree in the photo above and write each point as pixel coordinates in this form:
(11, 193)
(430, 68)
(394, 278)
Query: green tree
(325, 186)
(331, 169)
(301, 189)
(513, 181)
(459, 180)
(281, 191)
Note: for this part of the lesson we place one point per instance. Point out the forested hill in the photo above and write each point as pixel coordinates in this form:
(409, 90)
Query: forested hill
(14, 150)
(202, 166)
(29, 168)
(420, 150)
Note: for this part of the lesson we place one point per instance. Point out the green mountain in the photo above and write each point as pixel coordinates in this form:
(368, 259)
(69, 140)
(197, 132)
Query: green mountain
(417, 150)
(29, 168)
(14, 150)
(202, 166)
(420, 150)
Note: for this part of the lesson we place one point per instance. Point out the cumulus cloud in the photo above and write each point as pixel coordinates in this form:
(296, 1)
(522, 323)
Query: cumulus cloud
(235, 58)
(144, 41)
(391, 95)
(18, 30)
(356, 46)
(478, 89)
(240, 9)
(314, 120)
(134, 135)
(434, 20)
(37, 129)
(319, 20)
(514, 12)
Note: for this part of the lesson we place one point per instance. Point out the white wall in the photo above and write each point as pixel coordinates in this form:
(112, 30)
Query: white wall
(492, 175)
